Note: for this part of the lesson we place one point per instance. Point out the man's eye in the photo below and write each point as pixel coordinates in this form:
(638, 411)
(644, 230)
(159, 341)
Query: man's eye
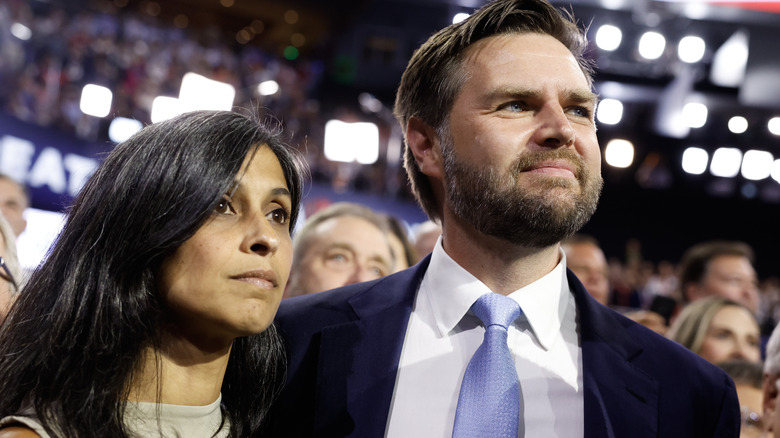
(380, 270)
(581, 111)
(513, 106)
(337, 258)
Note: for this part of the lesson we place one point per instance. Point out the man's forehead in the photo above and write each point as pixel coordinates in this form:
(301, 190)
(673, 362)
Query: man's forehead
(531, 55)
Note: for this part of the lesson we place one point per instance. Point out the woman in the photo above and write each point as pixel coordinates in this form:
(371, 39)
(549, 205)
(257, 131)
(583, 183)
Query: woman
(718, 329)
(140, 321)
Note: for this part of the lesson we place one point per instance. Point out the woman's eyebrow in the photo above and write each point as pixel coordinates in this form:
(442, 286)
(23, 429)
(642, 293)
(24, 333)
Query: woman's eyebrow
(278, 191)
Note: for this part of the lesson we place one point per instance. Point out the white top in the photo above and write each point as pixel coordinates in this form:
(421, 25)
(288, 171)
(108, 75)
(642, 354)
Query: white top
(176, 420)
(141, 419)
(443, 334)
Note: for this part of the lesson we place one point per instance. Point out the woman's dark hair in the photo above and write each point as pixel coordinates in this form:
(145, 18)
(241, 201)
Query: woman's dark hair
(73, 339)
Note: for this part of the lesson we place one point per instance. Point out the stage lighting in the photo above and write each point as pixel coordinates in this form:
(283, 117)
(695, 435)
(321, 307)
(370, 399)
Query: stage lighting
(652, 45)
(95, 100)
(757, 165)
(619, 153)
(726, 162)
(608, 37)
(349, 142)
(694, 160)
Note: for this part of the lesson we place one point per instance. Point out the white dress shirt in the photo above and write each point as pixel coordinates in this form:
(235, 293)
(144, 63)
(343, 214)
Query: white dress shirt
(443, 334)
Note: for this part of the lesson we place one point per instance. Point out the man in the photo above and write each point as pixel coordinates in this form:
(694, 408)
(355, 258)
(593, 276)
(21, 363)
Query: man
(587, 261)
(342, 244)
(13, 201)
(721, 268)
(501, 148)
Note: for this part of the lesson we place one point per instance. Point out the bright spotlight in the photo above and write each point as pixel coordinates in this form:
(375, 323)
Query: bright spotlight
(730, 61)
(267, 88)
(694, 160)
(774, 125)
(201, 93)
(610, 111)
(619, 153)
(726, 162)
(695, 114)
(738, 124)
(457, 18)
(652, 45)
(21, 31)
(348, 142)
(691, 49)
(164, 108)
(757, 165)
(95, 100)
(608, 37)
(122, 128)
(776, 170)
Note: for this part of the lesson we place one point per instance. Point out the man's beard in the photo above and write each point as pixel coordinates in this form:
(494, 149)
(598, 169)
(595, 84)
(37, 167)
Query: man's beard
(498, 206)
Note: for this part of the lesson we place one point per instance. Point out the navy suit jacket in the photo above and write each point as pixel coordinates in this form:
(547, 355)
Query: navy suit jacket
(344, 347)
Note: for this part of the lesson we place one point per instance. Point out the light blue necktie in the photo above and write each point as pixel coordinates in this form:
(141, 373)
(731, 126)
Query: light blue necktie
(489, 400)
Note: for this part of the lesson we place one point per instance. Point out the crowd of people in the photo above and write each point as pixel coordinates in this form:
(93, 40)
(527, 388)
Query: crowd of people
(139, 57)
(181, 299)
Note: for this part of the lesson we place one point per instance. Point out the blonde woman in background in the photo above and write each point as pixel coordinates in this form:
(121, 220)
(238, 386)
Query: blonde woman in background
(718, 329)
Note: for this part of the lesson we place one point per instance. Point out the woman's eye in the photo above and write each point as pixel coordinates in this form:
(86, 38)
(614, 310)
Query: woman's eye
(722, 334)
(280, 216)
(224, 206)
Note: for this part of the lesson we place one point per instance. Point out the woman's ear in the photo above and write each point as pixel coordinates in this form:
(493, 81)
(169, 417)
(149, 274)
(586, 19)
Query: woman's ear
(423, 141)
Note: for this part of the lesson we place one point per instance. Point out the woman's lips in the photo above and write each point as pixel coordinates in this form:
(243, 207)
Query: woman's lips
(261, 278)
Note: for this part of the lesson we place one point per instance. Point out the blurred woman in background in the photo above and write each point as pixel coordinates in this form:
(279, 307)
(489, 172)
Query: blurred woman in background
(718, 329)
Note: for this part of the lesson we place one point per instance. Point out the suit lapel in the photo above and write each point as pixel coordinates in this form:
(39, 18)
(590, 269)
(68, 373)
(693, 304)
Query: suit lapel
(620, 399)
(359, 359)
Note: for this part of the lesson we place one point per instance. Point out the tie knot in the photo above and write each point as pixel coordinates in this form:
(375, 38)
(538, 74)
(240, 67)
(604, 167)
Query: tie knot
(496, 309)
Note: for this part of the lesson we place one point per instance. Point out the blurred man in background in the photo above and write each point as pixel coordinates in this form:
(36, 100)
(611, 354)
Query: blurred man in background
(721, 268)
(586, 259)
(342, 244)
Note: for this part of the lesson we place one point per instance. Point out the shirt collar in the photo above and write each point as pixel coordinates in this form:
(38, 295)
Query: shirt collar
(451, 290)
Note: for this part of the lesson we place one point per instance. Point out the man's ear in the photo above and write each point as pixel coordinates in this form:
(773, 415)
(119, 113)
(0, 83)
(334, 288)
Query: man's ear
(424, 144)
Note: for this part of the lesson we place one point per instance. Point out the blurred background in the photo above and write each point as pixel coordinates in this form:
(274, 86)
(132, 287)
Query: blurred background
(688, 125)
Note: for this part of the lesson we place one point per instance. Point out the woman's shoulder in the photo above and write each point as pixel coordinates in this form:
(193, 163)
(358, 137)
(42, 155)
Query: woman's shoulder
(18, 431)
(21, 426)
